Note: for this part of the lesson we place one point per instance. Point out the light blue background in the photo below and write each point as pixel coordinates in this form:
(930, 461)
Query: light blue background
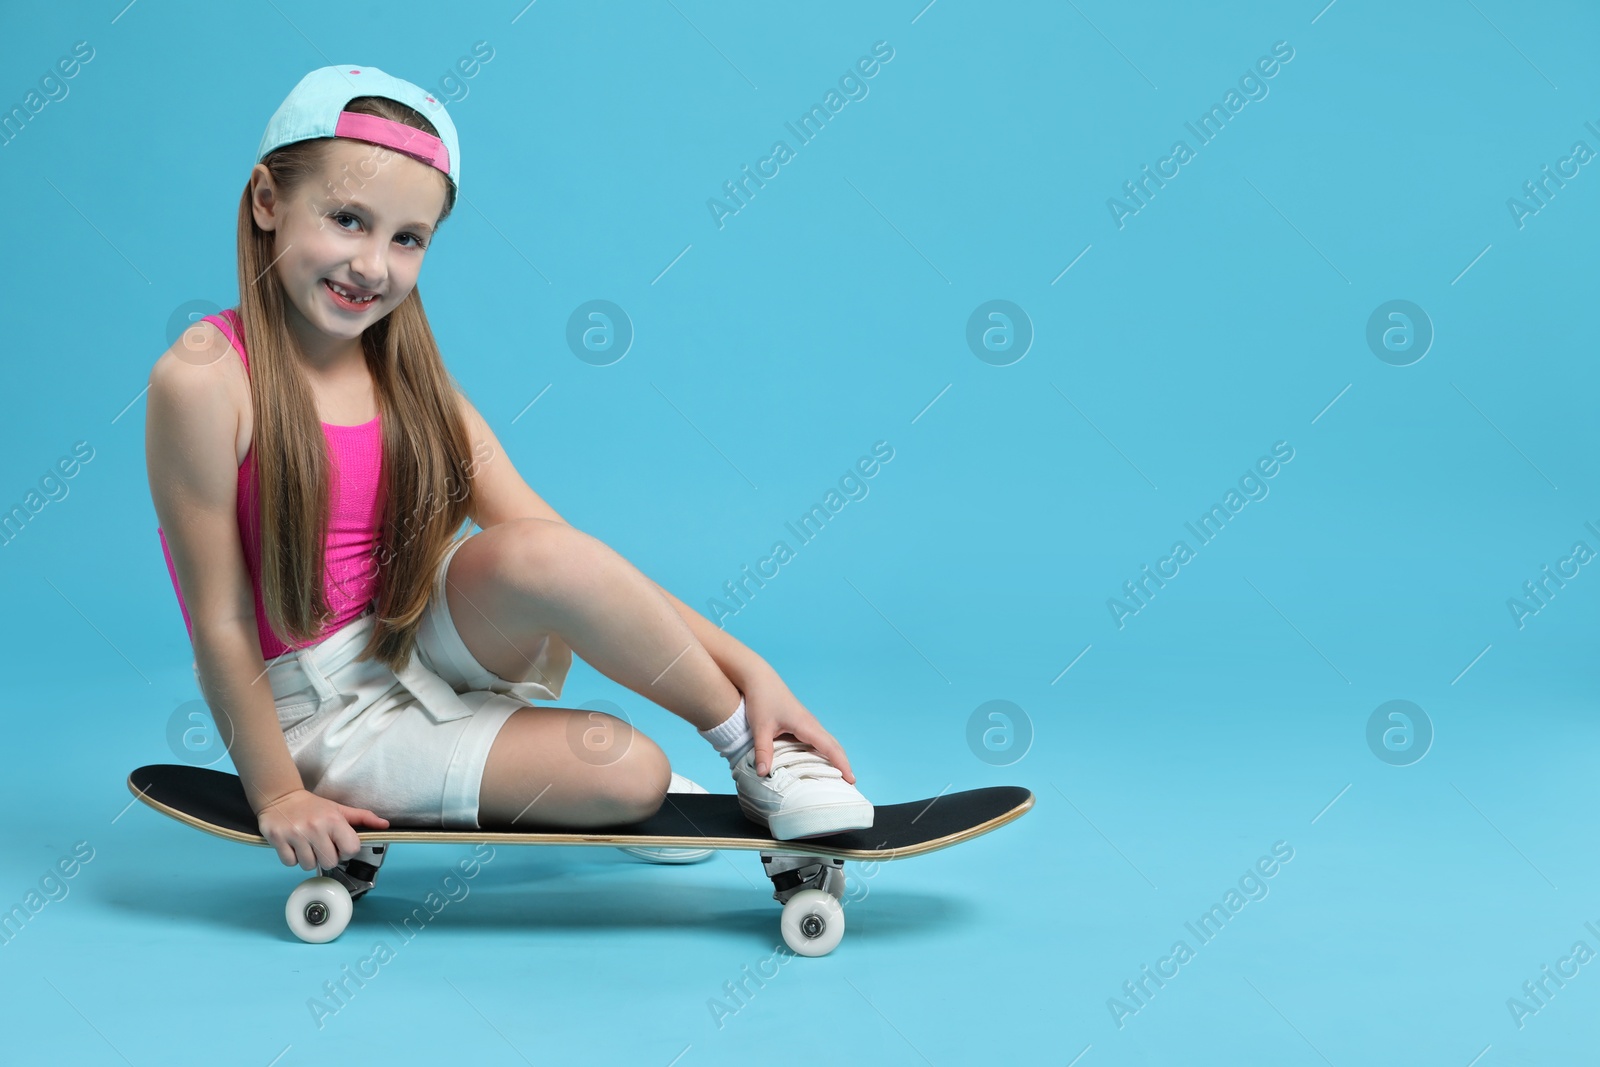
(827, 315)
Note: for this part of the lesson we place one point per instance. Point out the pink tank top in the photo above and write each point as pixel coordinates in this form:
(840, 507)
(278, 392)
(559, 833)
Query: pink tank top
(354, 521)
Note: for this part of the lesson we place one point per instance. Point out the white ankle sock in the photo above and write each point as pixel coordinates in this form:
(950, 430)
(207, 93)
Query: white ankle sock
(731, 737)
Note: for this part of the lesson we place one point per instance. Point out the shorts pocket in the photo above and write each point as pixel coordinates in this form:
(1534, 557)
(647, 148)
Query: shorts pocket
(297, 706)
(292, 715)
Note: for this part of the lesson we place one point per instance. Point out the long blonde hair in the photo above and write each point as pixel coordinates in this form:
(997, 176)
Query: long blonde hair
(426, 478)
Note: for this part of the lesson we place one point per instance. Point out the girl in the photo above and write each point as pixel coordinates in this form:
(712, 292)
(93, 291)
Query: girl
(316, 482)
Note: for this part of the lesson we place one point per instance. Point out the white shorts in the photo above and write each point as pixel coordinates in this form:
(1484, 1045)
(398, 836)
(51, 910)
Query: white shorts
(409, 746)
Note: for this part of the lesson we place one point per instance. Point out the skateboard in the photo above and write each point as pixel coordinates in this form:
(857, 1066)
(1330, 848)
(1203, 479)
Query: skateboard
(807, 873)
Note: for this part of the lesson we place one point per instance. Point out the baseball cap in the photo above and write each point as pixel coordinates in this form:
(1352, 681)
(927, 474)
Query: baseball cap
(315, 108)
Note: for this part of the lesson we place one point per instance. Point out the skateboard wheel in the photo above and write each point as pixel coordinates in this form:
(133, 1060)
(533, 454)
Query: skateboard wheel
(812, 923)
(318, 910)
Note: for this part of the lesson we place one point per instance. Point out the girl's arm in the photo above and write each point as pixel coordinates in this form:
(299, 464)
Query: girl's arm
(192, 423)
(738, 661)
(191, 427)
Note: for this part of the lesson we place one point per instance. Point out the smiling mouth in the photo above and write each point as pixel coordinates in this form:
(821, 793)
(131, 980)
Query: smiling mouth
(345, 297)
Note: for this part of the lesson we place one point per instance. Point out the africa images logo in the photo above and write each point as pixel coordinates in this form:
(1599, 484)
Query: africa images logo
(853, 87)
(1206, 128)
(1252, 486)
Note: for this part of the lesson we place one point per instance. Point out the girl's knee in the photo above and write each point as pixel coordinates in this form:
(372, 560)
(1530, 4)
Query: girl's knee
(546, 544)
(604, 771)
(637, 783)
(547, 557)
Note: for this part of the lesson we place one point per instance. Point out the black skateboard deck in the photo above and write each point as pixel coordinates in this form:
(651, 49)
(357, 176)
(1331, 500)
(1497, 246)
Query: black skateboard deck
(807, 873)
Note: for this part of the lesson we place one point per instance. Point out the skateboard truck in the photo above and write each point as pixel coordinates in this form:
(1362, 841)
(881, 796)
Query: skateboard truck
(359, 872)
(790, 874)
(810, 888)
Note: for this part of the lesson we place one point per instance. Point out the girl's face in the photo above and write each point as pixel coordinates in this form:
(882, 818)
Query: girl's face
(363, 227)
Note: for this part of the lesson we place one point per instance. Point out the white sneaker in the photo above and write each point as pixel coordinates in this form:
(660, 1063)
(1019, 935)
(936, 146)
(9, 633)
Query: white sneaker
(803, 796)
(679, 784)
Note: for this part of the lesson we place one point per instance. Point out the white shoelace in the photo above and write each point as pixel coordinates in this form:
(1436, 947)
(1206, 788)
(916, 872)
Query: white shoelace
(801, 760)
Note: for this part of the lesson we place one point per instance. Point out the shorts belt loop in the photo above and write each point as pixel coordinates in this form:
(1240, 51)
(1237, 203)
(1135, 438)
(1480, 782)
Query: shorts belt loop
(313, 672)
(320, 659)
(317, 661)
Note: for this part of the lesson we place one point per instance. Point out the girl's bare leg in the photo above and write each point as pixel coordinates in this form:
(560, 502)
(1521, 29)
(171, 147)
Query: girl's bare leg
(570, 768)
(517, 582)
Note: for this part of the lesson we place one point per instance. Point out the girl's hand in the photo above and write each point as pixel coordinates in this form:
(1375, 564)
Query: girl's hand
(771, 710)
(314, 831)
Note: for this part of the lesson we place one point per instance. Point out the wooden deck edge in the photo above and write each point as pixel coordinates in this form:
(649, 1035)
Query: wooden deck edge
(507, 837)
